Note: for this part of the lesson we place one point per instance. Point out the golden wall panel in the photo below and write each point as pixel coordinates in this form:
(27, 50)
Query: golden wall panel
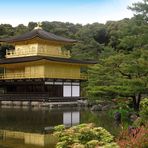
(62, 70)
(34, 71)
(42, 69)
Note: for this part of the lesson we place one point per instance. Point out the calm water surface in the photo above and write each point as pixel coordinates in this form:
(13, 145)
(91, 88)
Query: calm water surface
(36, 120)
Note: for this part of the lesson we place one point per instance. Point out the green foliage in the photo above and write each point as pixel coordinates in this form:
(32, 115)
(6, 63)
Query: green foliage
(143, 119)
(78, 145)
(139, 122)
(84, 136)
(122, 108)
(6, 30)
(3, 49)
(88, 47)
(120, 74)
(144, 108)
(92, 143)
(141, 9)
(20, 29)
(59, 128)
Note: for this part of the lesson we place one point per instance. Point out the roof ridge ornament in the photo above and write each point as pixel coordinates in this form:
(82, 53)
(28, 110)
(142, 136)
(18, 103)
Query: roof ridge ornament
(39, 24)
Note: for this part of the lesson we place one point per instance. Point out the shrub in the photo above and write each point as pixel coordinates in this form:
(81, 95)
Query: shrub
(144, 108)
(59, 128)
(78, 145)
(139, 122)
(136, 138)
(124, 109)
(92, 144)
(84, 136)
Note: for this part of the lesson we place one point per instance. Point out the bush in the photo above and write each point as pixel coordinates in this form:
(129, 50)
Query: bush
(139, 122)
(135, 138)
(144, 108)
(84, 136)
(92, 143)
(59, 128)
(122, 108)
(123, 112)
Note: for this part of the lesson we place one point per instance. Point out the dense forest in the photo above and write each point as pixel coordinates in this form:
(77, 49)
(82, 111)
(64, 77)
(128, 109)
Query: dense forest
(119, 47)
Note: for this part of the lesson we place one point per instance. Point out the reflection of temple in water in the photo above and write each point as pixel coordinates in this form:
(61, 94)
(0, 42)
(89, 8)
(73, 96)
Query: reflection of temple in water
(71, 118)
(36, 120)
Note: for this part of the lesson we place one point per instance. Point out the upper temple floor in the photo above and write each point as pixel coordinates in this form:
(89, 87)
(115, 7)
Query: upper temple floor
(37, 47)
(38, 43)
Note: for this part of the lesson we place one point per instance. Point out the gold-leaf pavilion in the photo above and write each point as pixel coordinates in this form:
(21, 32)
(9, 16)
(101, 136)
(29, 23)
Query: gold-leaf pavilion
(38, 69)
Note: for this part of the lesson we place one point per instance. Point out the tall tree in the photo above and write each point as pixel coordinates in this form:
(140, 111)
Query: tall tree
(88, 47)
(3, 49)
(124, 75)
(141, 9)
(20, 29)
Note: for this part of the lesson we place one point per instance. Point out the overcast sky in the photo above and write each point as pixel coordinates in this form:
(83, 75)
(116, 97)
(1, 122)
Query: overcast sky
(76, 11)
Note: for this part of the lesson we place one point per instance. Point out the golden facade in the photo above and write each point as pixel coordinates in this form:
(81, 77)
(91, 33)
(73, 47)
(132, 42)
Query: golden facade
(38, 68)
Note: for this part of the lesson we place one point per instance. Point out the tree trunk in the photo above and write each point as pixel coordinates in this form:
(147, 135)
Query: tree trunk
(136, 101)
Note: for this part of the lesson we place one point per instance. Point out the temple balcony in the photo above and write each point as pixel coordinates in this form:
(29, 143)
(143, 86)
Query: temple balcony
(9, 76)
(23, 52)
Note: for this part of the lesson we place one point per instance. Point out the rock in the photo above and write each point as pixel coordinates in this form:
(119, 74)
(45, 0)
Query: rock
(106, 107)
(6, 102)
(132, 116)
(83, 103)
(16, 103)
(117, 117)
(114, 107)
(25, 103)
(35, 103)
(107, 103)
(96, 108)
(91, 104)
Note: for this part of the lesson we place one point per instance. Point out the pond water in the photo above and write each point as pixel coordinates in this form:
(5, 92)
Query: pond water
(37, 120)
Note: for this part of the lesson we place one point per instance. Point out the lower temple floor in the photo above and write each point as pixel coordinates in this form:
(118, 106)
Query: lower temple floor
(39, 90)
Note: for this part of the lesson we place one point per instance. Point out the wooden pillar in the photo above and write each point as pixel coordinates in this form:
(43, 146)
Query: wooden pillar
(71, 89)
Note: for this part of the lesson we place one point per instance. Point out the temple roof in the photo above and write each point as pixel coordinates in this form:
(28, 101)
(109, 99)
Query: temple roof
(40, 34)
(37, 58)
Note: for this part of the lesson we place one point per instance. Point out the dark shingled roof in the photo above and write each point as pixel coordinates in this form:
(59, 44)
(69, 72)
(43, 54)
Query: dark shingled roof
(40, 34)
(37, 58)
